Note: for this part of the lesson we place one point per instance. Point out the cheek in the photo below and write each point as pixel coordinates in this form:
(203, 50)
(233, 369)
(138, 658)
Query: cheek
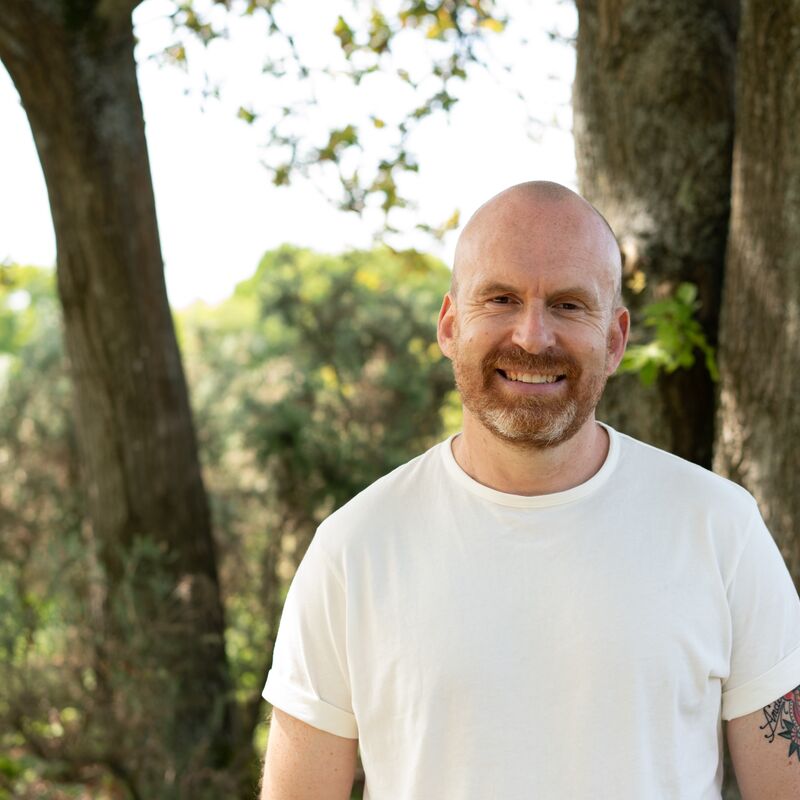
(475, 335)
(591, 342)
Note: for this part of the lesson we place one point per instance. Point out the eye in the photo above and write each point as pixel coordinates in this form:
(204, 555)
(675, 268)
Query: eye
(503, 300)
(566, 305)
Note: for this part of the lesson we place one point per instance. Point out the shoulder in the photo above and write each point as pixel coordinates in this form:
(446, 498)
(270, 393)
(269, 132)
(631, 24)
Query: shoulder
(696, 511)
(690, 502)
(387, 503)
(657, 472)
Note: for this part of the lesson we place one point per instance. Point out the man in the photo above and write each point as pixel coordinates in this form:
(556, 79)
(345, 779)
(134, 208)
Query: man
(539, 608)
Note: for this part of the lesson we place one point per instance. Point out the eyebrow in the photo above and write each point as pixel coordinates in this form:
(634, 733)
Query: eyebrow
(503, 288)
(494, 288)
(581, 292)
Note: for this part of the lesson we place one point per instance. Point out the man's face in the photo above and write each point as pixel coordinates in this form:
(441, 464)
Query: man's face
(532, 332)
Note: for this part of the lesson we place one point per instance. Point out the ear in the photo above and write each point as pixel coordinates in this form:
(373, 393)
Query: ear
(446, 326)
(618, 338)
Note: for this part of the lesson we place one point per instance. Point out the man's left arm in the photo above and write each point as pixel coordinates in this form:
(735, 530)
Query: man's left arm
(765, 749)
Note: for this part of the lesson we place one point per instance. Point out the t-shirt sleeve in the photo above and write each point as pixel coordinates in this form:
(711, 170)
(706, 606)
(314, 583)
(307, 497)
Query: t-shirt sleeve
(309, 677)
(765, 615)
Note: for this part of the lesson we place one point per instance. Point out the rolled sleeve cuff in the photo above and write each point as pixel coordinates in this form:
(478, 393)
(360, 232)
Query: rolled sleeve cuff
(759, 692)
(309, 708)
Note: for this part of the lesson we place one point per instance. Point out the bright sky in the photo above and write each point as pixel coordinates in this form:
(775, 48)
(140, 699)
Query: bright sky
(218, 210)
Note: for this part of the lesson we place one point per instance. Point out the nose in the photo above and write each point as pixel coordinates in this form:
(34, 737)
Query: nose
(533, 330)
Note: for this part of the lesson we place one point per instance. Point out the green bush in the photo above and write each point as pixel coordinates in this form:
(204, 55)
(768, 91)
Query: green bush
(317, 376)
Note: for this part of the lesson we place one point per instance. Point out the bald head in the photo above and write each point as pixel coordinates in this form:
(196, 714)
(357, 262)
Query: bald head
(527, 213)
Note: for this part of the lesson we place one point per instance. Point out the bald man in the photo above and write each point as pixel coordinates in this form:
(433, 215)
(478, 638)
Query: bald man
(539, 607)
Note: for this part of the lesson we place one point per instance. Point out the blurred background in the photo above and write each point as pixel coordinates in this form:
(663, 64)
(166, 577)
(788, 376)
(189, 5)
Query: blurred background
(225, 231)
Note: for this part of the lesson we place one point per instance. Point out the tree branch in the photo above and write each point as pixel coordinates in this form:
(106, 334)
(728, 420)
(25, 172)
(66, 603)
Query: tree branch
(18, 23)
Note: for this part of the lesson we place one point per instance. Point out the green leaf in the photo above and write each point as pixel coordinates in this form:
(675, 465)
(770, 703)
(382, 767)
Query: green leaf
(338, 141)
(678, 338)
(344, 33)
(281, 175)
(380, 34)
(686, 294)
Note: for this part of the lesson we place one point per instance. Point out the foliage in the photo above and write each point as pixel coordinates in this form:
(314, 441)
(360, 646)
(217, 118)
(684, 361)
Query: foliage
(377, 41)
(356, 336)
(678, 338)
(319, 374)
(43, 674)
(59, 679)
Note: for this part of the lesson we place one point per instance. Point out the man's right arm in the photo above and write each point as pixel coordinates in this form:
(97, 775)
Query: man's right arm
(306, 763)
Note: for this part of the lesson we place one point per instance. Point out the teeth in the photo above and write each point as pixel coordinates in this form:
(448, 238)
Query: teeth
(521, 376)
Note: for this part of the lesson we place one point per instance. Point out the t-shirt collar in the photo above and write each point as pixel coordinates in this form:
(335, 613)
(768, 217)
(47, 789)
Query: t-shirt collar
(536, 501)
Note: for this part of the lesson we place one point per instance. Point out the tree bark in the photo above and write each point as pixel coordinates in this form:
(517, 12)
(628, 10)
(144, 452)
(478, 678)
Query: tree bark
(759, 413)
(163, 651)
(653, 103)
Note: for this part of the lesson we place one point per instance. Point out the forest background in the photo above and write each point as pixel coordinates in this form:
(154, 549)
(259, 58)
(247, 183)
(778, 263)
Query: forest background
(147, 544)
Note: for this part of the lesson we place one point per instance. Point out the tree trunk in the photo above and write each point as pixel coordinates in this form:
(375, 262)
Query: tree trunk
(163, 665)
(653, 101)
(759, 416)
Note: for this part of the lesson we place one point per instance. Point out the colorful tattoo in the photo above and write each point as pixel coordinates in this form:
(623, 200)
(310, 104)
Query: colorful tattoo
(784, 714)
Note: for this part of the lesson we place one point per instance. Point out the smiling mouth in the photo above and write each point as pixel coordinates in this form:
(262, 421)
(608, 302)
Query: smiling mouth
(530, 377)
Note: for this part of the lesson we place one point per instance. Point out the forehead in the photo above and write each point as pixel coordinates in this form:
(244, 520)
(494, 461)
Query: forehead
(538, 246)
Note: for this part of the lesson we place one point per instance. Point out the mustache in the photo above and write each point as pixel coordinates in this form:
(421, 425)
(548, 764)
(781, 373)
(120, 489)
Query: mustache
(516, 359)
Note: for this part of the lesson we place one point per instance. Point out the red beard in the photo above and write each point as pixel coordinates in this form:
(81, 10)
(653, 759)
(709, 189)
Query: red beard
(529, 421)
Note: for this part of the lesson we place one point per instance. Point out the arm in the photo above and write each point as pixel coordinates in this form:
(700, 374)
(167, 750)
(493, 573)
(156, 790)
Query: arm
(765, 749)
(305, 763)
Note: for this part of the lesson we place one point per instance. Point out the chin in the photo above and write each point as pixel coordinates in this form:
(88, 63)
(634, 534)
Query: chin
(539, 438)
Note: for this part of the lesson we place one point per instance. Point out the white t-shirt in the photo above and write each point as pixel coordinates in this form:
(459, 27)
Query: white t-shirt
(584, 644)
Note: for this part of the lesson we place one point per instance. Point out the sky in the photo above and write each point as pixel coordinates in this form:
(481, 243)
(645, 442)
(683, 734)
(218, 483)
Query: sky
(218, 211)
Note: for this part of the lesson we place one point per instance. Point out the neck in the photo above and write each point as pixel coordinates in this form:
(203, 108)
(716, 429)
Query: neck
(516, 470)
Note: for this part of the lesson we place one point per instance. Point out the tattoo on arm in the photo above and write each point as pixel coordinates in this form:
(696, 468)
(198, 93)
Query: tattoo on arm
(782, 718)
